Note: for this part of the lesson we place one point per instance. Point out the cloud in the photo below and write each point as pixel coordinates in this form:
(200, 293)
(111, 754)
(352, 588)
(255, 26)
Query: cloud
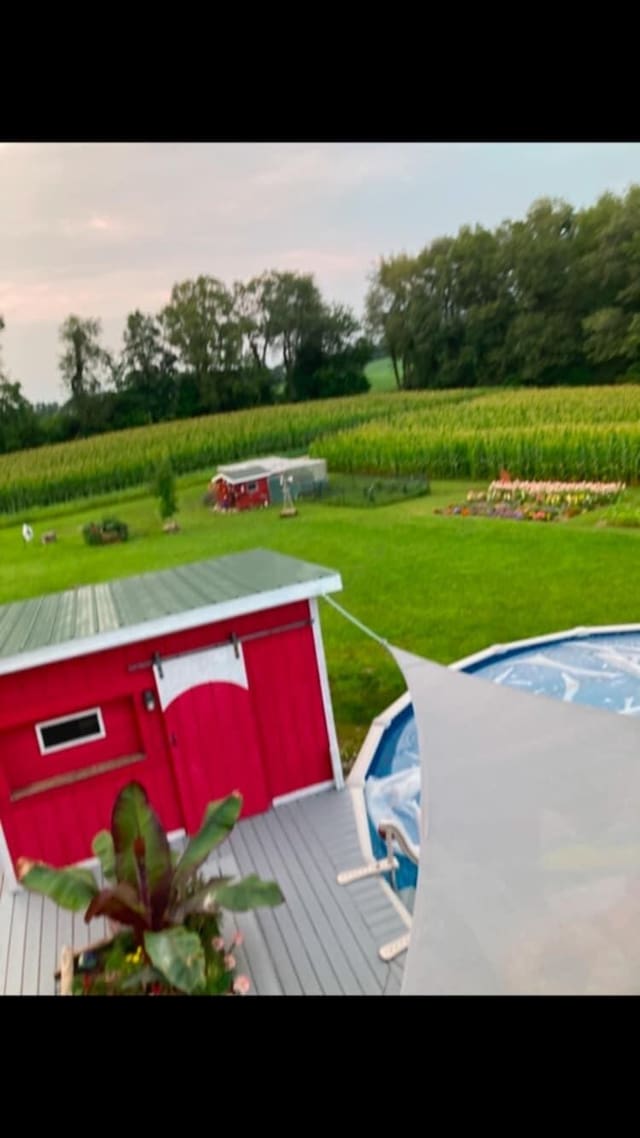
(324, 261)
(98, 226)
(333, 167)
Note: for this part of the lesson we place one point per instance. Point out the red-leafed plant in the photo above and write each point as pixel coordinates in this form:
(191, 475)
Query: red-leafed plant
(172, 917)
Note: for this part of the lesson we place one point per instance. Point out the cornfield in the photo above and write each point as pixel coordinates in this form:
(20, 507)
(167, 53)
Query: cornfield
(610, 452)
(121, 459)
(560, 433)
(588, 433)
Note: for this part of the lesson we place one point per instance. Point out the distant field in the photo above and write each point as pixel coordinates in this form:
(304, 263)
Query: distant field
(380, 375)
(566, 433)
(569, 433)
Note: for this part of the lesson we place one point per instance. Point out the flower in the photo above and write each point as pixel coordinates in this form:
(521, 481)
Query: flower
(218, 943)
(238, 938)
(241, 985)
(229, 962)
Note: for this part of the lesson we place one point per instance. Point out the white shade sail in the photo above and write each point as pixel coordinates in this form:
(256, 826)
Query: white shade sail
(529, 878)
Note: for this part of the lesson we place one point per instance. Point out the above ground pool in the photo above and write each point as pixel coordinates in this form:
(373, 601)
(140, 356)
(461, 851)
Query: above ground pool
(597, 668)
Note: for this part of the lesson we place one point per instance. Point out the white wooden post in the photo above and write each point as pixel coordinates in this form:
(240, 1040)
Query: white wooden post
(336, 764)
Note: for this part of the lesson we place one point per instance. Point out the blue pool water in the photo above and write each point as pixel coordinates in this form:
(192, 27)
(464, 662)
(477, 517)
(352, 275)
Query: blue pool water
(601, 670)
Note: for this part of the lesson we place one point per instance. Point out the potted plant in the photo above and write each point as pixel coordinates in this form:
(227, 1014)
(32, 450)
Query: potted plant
(108, 532)
(168, 938)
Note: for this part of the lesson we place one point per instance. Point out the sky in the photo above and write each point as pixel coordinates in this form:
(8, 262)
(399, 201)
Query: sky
(100, 229)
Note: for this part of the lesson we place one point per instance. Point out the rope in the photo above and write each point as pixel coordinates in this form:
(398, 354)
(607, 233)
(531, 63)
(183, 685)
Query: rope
(358, 623)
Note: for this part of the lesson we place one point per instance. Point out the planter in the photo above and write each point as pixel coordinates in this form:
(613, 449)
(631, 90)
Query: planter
(114, 967)
(69, 960)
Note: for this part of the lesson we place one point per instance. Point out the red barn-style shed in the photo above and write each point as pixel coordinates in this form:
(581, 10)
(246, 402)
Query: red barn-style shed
(195, 681)
(246, 485)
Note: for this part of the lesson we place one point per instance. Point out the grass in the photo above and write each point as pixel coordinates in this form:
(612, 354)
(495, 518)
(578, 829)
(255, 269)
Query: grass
(442, 587)
(380, 375)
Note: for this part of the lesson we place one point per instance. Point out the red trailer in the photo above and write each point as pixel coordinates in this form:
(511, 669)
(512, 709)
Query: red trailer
(195, 681)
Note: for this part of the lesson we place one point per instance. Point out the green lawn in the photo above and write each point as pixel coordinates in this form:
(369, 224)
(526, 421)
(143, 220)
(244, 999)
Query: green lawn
(380, 375)
(439, 586)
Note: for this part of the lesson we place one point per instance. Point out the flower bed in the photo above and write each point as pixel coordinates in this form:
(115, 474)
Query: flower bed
(576, 495)
(536, 501)
(484, 509)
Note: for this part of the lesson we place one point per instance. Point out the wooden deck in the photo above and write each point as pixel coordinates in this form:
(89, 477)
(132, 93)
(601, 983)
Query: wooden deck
(323, 941)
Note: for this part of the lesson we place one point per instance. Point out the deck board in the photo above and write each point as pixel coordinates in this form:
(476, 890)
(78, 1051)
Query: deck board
(275, 945)
(394, 980)
(17, 949)
(33, 944)
(301, 901)
(335, 901)
(49, 962)
(323, 940)
(282, 916)
(360, 895)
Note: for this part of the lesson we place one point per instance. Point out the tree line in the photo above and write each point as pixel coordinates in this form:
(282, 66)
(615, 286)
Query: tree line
(553, 298)
(210, 349)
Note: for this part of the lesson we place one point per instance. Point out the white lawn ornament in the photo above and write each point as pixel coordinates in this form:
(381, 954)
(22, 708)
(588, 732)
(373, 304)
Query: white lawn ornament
(27, 533)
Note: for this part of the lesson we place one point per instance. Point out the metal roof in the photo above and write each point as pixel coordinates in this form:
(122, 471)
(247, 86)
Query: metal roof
(265, 467)
(94, 617)
(242, 473)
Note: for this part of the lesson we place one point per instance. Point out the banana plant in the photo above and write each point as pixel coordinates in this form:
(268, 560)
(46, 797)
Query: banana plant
(147, 891)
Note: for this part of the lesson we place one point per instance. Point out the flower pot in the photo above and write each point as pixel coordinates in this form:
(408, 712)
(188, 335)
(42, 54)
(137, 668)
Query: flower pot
(69, 962)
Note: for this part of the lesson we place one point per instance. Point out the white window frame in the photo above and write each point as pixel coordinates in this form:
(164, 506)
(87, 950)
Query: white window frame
(101, 733)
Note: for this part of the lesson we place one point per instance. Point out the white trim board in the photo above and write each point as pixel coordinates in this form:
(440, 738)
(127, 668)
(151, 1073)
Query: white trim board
(334, 748)
(165, 625)
(6, 864)
(305, 792)
(68, 743)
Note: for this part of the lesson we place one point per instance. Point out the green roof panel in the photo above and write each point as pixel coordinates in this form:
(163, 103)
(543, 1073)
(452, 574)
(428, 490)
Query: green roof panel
(130, 603)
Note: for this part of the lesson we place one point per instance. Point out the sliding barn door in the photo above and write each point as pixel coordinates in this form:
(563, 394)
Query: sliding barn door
(215, 748)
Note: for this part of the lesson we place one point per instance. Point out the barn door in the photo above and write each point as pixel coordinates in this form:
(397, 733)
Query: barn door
(209, 718)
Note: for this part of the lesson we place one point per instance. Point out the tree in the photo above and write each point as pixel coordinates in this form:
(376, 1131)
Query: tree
(201, 324)
(330, 358)
(147, 382)
(387, 306)
(85, 366)
(254, 308)
(293, 316)
(164, 488)
(18, 422)
(610, 273)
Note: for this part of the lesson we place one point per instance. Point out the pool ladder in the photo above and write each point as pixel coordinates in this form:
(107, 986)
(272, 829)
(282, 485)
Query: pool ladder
(390, 833)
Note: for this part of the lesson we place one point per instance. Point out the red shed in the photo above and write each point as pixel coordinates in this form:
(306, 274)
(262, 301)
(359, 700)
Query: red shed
(196, 681)
(245, 485)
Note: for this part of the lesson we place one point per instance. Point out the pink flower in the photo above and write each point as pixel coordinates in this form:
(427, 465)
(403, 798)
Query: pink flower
(241, 985)
(238, 938)
(229, 962)
(218, 943)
